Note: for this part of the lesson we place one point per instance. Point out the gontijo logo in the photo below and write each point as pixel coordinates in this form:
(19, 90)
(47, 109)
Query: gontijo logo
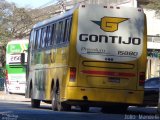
(110, 24)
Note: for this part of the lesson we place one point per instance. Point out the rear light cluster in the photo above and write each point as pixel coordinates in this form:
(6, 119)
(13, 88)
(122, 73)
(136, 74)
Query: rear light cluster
(72, 74)
(141, 78)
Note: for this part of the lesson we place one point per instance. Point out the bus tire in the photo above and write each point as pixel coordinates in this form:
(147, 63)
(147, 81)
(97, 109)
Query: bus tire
(57, 105)
(34, 102)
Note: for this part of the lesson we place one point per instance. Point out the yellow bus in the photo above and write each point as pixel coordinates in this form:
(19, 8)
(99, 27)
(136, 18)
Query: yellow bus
(92, 55)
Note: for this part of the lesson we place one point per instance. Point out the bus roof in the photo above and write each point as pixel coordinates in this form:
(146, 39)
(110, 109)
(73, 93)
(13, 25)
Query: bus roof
(55, 18)
(67, 13)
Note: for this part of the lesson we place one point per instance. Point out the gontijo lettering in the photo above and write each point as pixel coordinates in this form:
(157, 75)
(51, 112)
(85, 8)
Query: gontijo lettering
(109, 39)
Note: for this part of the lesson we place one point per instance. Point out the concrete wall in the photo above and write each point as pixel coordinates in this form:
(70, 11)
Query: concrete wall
(153, 67)
(153, 23)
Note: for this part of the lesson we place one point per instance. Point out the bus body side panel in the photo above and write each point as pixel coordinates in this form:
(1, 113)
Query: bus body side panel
(48, 62)
(48, 67)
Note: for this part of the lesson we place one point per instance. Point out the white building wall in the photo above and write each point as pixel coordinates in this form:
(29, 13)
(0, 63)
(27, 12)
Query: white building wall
(153, 23)
(153, 28)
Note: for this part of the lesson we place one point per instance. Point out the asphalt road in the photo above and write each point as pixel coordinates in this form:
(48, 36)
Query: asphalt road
(17, 107)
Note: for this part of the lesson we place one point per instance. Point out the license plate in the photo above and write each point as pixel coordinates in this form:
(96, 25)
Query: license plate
(114, 79)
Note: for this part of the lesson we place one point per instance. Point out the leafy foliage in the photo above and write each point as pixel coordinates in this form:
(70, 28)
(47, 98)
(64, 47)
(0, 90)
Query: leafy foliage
(16, 23)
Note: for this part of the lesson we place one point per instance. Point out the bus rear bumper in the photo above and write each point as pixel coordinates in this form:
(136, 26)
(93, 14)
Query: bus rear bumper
(100, 97)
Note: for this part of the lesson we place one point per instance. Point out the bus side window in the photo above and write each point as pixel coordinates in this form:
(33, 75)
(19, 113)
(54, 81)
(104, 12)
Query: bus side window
(43, 37)
(36, 40)
(56, 33)
(62, 31)
(67, 30)
(32, 39)
(52, 35)
(39, 38)
(48, 36)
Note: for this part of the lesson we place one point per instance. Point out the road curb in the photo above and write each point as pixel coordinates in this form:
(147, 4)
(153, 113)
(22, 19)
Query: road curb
(13, 97)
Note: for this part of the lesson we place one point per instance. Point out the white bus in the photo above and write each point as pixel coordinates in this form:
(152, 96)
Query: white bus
(15, 71)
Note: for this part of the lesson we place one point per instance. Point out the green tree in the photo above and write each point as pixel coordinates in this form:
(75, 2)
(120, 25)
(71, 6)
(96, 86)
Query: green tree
(5, 11)
(17, 22)
(20, 23)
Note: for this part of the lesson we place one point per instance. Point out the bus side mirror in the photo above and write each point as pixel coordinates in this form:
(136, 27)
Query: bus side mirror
(22, 58)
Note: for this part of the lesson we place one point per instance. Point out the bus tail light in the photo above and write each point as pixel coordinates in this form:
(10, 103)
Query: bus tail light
(141, 78)
(72, 74)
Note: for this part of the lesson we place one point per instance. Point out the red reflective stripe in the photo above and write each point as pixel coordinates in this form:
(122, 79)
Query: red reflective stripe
(92, 72)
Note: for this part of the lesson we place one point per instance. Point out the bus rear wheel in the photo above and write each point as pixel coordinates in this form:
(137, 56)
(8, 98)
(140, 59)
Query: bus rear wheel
(34, 102)
(57, 105)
